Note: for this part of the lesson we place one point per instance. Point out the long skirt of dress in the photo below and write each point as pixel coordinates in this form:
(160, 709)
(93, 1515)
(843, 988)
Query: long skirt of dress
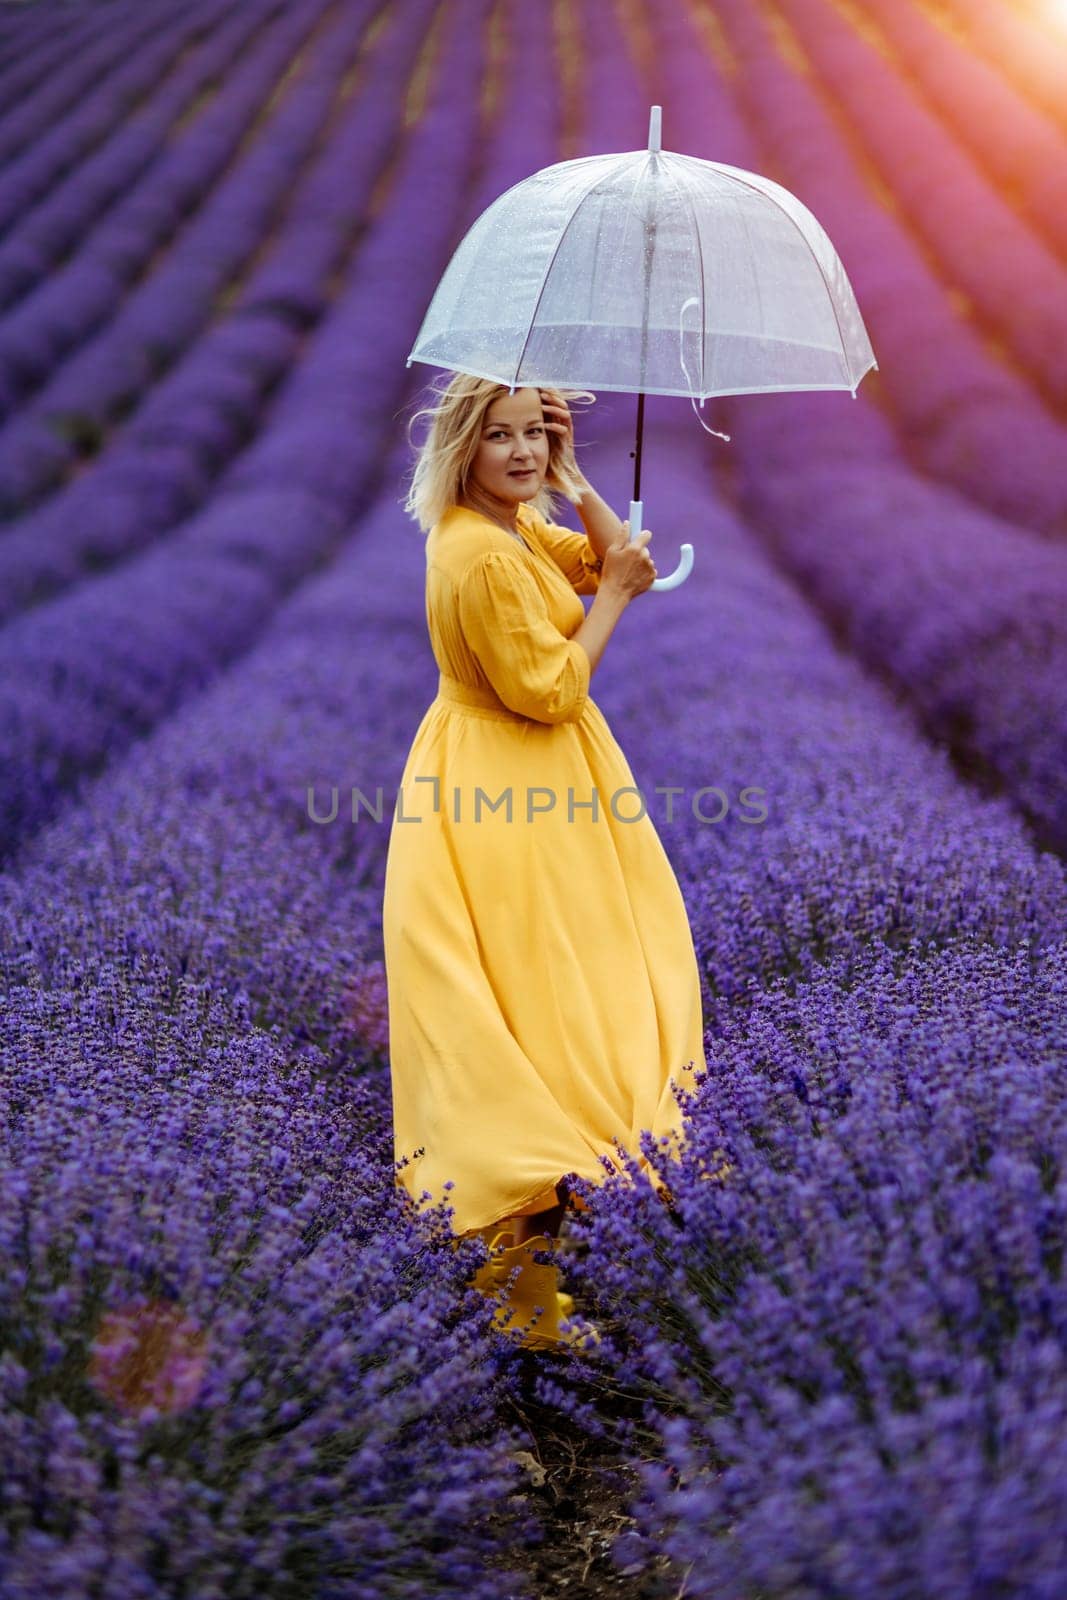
(542, 982)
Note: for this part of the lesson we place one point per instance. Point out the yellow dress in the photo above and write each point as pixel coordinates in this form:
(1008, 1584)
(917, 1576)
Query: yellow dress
(542, 982)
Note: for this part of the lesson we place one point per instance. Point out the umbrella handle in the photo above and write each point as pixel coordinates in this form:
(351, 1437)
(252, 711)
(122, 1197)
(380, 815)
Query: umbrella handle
(685, 554)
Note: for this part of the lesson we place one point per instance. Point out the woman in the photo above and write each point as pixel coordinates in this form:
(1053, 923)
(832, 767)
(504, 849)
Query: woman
(542, 983)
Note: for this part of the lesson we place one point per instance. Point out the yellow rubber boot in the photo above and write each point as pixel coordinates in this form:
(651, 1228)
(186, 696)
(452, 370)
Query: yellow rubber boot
(533, 1306)
(499, 1237)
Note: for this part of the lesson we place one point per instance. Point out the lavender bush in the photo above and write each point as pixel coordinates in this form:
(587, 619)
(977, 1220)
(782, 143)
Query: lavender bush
(80, 95)
(853, 1322)
(1017, 143)
(1029, 48)
(963, 415)
(196, 601)
(232, 1362)
(232, 1358)
(961, 609)
(984, 247)
(162, 314)
(253, 1338)
(172, 451)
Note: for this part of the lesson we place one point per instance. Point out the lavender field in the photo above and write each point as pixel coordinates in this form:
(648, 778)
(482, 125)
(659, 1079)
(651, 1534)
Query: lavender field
(233, 1361)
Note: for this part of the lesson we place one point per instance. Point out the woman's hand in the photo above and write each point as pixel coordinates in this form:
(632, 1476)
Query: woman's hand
(628, 568)
(558, 420)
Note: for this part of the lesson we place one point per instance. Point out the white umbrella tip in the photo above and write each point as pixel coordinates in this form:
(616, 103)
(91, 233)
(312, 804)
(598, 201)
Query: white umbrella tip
(655, 124)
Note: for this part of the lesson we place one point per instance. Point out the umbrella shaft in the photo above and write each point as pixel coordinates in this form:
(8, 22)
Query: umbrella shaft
(637, 451)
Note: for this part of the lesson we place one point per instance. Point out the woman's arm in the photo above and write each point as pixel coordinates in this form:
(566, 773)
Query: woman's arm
(601, 524)
(598, 627)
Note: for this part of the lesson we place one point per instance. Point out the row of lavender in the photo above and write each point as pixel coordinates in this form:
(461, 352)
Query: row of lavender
(137, 330)
(963, 610)
(278, 908)
(962, 416)
(236, 1365)
(843, 864)
(209, 825)
(64, 99)
(976, 235)
(853, 1341)
(182, 430)
(43, 452)
(1025, 42)
(200, 416)
(1018, 143)
(851, 1328)
(104, 516)
(92, 670)
(189, 912)
(847, 1424)
(233, 1364)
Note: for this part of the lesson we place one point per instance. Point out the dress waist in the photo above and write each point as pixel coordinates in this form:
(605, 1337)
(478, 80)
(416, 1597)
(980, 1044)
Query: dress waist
(474, 699)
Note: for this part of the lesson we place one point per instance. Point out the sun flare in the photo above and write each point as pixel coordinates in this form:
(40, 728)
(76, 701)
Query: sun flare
(1053, 11)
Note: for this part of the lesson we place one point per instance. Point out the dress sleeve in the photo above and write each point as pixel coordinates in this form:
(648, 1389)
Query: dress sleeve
(533, 667)
(573, 555)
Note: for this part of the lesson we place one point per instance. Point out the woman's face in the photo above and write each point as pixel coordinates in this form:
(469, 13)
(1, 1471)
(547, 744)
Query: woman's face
(512, 456)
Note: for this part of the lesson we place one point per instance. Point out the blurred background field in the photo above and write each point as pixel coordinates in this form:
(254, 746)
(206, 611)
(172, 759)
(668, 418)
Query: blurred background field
(231, 1362)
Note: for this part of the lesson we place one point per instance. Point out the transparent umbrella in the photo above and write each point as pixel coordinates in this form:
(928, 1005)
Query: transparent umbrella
(648, 272)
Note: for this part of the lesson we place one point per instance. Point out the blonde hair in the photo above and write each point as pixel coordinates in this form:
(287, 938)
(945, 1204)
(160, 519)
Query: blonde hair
(444, 459)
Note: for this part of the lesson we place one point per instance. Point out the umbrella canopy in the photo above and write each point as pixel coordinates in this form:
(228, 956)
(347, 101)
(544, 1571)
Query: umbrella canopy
(648, 272)
(625, 272)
